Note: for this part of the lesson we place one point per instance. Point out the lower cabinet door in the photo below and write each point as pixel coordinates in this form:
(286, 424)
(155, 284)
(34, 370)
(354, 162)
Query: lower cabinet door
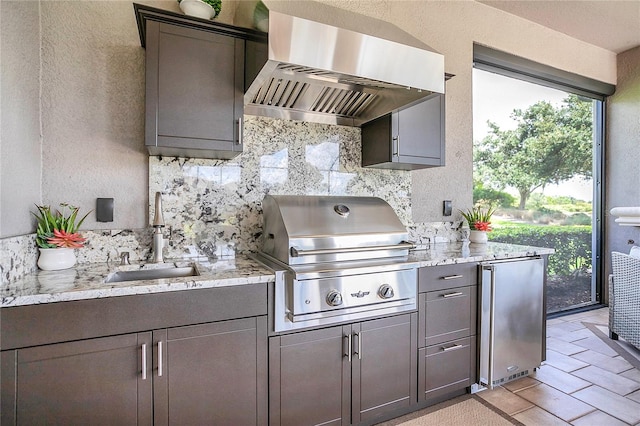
(445, 368)
(310, 378)
(211, 374)
(88, 382)
(384, 366)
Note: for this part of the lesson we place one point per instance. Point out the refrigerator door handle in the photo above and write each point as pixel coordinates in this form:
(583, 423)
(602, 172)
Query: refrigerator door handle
(492, 313)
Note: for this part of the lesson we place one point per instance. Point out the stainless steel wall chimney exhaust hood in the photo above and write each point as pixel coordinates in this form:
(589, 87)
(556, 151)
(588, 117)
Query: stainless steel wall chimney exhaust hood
(321, 73)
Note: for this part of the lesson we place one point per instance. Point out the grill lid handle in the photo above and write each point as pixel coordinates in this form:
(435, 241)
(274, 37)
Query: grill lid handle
(401, 246)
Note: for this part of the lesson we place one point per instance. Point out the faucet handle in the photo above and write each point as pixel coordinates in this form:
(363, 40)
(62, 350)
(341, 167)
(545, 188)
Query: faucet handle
(124, 258)
(158, 219)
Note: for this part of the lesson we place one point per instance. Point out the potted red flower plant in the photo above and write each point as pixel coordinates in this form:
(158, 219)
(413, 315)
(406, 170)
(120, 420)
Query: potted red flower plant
(57, 236)
(479, 223)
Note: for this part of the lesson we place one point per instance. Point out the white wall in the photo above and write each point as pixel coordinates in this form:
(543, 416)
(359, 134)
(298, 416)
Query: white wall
(20, 165)
(623, 153)
(93, 97)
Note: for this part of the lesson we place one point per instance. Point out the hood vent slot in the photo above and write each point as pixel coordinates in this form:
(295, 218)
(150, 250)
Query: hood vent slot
(280, 93)
(347, 103)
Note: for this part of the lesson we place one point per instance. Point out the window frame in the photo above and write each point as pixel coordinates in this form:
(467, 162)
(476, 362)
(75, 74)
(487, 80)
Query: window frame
(509, 65)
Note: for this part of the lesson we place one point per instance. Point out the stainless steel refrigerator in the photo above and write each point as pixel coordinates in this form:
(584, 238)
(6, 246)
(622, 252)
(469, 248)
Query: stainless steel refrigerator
(512, 319)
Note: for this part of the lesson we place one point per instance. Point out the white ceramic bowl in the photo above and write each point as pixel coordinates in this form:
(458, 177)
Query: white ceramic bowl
(197, 8)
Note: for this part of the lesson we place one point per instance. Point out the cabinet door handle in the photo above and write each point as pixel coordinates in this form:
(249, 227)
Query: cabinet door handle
(144, 361)
(457, 293)
(160, 359)
(359, 344)
(452, 277)
(348, 354)
(451, 348)
(239, 131)
(397, 145)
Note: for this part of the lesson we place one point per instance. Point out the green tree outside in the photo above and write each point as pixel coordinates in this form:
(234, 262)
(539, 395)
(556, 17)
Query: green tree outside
(549, 145)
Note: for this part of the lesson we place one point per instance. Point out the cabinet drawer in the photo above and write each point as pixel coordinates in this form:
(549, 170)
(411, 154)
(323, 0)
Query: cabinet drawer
(445, 368)
(432, 278)
(447, 315)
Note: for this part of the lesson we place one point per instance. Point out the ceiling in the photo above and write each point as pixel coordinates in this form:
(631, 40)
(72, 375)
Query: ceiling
(611, 24)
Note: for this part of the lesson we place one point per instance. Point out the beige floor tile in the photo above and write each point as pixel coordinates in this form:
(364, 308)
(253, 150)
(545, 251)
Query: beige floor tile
(567, 326)
(635, 396)
(615, 365)
(506, 401)
(632, 373)
(536, 416)
(563, 347)
(597, 418)
(595, 344)
(563, 362)
(557, 403)
(558, 320)
(611, 403)
(574, 335)
(613, 382)
(523, 383)
(560, 380)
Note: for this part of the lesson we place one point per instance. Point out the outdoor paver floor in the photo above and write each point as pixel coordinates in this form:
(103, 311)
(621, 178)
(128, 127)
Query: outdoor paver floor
(583, 381)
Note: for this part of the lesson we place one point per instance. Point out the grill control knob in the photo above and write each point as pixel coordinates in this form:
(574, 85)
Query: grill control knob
(334, 298)
(386, 291)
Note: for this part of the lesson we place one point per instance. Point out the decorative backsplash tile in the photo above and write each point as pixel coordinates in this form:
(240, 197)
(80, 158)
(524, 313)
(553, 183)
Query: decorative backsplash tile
(215, 204)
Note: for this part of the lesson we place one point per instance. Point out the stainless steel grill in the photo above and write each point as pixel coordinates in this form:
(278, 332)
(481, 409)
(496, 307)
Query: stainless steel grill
(339, 259)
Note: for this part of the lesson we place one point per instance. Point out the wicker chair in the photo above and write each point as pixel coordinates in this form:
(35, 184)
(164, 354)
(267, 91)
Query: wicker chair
(624, 299)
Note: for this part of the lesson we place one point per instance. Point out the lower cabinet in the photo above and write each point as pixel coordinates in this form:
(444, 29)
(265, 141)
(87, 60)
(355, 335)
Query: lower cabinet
(446, 368)
(90, 382)
(447, 330)
(211, 374)
(345, 374)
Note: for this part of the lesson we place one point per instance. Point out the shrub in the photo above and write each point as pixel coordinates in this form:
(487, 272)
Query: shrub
(572, 244)
(492, 197)
(577, 219)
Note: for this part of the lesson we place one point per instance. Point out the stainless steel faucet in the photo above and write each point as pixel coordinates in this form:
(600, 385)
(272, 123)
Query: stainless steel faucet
(158, 236)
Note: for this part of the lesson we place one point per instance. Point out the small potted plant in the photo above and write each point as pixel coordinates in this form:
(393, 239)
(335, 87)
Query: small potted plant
(57, 236)
(479, 223)
(205, 9)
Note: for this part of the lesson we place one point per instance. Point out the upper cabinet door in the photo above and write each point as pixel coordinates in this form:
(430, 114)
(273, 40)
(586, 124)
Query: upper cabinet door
(407, 139)
(420, 133)
(194, 92)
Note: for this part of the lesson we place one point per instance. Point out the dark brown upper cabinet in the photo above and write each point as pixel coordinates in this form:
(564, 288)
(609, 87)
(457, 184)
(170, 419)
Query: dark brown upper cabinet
(196, 73)
(406, 139)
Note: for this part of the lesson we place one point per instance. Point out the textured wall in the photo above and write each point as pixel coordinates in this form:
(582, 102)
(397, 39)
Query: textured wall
(92, 109)
(19, 115)
(623, 153)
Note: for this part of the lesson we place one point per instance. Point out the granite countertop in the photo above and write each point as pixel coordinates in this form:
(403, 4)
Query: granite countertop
(458, 252)
(87, 281)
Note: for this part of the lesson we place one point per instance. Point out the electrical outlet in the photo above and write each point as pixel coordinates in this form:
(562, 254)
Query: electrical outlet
(446, 208)
(104, 209)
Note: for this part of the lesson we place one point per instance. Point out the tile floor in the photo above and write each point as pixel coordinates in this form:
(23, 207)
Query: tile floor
(583, 381)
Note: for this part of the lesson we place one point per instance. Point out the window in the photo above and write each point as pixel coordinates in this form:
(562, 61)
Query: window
(538, 145)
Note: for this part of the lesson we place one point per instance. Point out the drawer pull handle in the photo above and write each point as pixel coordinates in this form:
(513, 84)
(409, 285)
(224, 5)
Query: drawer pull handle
(457, 293)
(452, 277)
(160, 359)
(144, 361)
(349, 347)
(451, 348)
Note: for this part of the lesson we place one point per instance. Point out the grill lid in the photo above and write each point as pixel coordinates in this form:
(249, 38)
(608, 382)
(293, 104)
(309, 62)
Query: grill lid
(314, 229)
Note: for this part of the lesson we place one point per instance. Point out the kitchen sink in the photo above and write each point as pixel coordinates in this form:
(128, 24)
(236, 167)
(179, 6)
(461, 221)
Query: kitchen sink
(152, 274)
